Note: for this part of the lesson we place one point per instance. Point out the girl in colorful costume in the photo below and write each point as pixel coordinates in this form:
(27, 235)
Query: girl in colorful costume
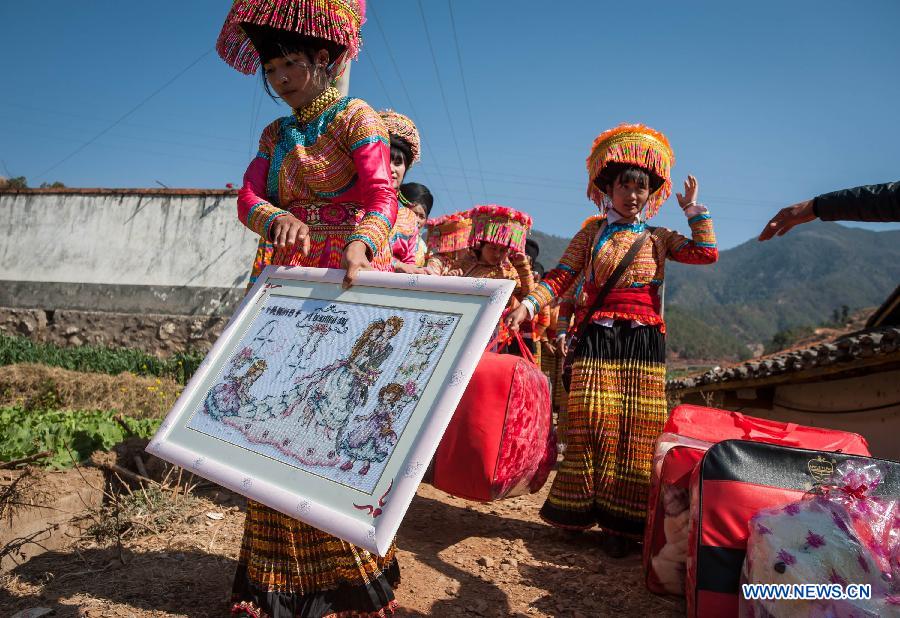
(496, 249)
(319, 191)
(405, 151)
(420, 201)
(617, 403)
(371, 441)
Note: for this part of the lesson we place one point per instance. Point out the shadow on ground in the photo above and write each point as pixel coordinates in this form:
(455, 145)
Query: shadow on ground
(189, 583)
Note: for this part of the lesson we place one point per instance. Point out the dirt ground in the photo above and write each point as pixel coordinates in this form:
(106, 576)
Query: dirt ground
(457, 558)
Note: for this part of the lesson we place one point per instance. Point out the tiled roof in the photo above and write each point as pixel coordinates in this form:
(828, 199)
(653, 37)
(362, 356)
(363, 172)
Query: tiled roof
(850, 349)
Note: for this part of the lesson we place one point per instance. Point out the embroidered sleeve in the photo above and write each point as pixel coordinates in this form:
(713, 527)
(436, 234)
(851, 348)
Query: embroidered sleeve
(421, 253)
(508, 271)
(564, 320)
(455, 269)
(404, 237)
(254, 210)
(450, 267)
(369, 147)
(561, 278)
(542, 322)
(526, 275)
(700, 248)
(268, 139)
(566, 309)
(554, 322)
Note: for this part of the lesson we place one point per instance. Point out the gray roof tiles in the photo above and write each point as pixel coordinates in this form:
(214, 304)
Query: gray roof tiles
(865, 344)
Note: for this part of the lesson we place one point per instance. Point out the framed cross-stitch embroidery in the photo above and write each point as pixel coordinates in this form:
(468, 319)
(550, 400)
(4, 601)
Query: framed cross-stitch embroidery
(328, 404)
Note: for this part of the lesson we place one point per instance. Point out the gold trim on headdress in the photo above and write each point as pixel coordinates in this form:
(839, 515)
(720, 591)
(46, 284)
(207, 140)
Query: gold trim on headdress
(638, 145)
(403, 127)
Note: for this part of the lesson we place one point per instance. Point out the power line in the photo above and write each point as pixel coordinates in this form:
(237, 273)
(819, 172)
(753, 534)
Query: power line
(125, 115)
(425, 146)
(255, 106)
(444, 97)
(117, 135)
(381, 83)
(168, 154)
(462, 78)
(390, 53)
(390, 103)
(45, 110)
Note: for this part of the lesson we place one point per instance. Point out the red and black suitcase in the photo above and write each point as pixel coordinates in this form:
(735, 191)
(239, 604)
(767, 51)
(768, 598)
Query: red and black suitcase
(688, 433)
(735, 480)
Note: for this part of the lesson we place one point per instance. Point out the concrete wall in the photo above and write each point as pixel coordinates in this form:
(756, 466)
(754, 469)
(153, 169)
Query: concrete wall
(868, 405)
(166, 251)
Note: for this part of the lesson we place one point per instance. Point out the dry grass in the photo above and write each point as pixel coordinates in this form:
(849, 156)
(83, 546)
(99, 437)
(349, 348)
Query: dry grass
(41, 386)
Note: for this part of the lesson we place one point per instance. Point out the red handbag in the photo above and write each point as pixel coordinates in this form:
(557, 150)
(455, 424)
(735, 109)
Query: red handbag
(500, 442)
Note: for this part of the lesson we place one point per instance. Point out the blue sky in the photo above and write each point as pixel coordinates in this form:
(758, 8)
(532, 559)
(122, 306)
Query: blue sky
(767, 103)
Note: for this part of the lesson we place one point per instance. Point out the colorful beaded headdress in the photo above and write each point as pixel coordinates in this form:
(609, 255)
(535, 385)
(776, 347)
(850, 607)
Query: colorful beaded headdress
(633, 144)
(337, 21)
(403, 127)
(499, 225)
(449, 233)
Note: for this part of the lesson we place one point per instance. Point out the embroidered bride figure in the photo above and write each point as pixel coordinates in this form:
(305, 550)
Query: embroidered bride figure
(334, 392)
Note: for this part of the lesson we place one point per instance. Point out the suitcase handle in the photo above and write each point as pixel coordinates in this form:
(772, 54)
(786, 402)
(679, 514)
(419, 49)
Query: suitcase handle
(752, 431)
(526, 353)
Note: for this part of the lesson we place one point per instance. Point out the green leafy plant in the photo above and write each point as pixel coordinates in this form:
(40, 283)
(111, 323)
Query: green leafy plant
(180, 366)
(28, 432)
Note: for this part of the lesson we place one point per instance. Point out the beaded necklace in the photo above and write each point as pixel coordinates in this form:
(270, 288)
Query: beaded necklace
(317, 105)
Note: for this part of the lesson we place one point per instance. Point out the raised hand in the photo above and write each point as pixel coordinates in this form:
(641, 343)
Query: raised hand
(689, 197)
(517, 257)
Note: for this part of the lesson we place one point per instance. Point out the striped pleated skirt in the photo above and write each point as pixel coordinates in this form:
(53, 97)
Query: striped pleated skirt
(288, 569)
(616, 411)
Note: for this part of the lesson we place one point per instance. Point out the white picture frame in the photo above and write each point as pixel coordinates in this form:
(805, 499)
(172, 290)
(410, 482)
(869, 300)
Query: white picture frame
(297, 389)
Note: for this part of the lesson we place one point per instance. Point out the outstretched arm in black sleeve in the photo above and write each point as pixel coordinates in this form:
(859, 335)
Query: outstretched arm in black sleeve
(865, 203)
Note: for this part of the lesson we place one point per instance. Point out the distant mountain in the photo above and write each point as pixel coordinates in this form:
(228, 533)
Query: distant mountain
(757, 289)
(552, 247)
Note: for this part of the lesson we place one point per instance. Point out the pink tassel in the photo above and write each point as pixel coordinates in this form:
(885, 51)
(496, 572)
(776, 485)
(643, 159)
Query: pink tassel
(335, 20)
